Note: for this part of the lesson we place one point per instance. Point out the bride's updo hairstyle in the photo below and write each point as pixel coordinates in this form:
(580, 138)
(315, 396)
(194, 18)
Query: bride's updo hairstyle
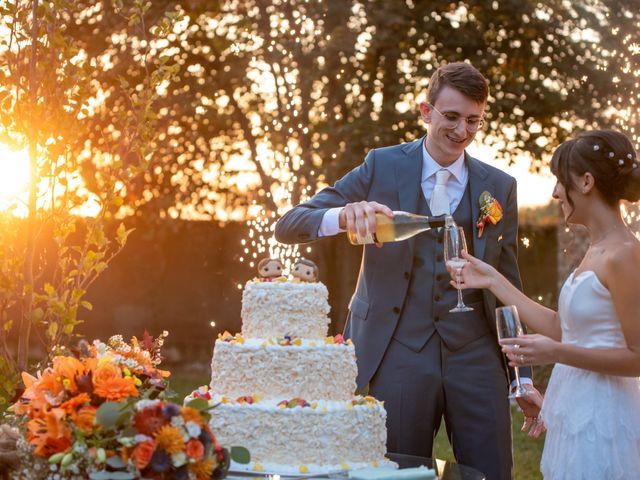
(609, 156)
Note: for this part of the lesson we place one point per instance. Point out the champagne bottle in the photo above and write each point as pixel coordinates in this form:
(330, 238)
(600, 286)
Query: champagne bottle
(403, 225)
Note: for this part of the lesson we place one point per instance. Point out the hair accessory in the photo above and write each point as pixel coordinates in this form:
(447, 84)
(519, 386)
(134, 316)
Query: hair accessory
(635, 165)
(629, 156)
(611, 154)
(596, 148)
(621, 162)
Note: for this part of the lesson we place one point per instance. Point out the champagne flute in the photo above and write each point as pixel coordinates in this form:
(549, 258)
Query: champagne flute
(509, 326)
(454, 244)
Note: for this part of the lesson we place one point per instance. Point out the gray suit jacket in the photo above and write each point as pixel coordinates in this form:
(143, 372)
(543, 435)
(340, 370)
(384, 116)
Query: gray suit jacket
(391, 176)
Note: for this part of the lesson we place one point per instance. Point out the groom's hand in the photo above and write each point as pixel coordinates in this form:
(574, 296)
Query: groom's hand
(530, 406)
(360, 217)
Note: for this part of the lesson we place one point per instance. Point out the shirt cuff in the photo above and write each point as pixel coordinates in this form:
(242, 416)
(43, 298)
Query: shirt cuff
(523, 381)
(330, 224)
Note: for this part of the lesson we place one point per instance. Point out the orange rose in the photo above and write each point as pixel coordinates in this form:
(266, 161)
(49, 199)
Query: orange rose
(109, 383)
(142, 454)
(84, 418)
(195, 449)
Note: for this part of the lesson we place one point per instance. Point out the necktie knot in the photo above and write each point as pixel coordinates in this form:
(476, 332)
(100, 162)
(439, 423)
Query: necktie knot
(442, 176)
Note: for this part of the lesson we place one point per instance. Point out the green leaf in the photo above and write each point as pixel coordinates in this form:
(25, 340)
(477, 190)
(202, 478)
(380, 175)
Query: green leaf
(77, 293)
(121, 234)
(112, 476)
(199, 404)
(49, 289)
(86, 304)
(52, 330)
(115, 462)
(240, 455)
(7, 325)
(108, 414)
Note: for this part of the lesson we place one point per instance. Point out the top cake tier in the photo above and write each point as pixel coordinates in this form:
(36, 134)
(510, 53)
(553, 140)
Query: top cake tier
(285, 308)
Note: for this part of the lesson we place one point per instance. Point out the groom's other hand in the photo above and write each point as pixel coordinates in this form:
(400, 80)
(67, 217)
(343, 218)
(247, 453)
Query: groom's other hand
(530, 406)
(360, 217)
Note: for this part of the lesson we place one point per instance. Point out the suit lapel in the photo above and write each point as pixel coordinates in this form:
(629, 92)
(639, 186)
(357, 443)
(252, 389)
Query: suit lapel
(408, 171)
(478, 183)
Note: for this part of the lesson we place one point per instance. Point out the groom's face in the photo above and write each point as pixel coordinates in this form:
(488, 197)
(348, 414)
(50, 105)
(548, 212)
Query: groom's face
(444, 143)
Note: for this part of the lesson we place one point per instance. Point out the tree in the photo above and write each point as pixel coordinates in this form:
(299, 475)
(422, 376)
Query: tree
(279, 97)
(48, 101)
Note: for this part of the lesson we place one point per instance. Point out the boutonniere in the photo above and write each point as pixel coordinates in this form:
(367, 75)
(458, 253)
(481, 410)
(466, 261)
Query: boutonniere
(490, 211)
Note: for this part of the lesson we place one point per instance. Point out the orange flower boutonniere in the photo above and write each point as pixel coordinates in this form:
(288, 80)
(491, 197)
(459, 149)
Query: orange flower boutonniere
(490, 211)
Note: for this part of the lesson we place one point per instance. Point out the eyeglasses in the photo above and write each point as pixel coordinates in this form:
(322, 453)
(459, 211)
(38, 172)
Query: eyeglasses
(453, 119)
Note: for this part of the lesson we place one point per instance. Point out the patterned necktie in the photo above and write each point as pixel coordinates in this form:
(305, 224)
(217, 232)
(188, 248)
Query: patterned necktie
(439, 204)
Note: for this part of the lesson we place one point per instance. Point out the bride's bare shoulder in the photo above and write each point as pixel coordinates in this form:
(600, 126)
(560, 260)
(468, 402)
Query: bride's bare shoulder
(625, 256)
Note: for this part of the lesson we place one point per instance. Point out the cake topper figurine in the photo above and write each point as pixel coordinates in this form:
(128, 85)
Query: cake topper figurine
(270, 269)
(305, 270)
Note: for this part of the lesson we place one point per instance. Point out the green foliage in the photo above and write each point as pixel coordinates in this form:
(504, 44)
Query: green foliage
(51, 96)
(302, 90)
(240, 455)
(113, 414)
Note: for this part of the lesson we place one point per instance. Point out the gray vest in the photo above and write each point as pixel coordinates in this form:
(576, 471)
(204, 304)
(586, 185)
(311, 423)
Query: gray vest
(430, 295)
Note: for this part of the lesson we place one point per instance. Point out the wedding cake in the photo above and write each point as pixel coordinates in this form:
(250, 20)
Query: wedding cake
(285, 390)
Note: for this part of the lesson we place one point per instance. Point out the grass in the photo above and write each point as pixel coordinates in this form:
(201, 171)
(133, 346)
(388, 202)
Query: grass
(526, 451)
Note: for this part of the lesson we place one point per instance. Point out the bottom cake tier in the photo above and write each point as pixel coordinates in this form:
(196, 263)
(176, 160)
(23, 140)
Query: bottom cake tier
(297, 437)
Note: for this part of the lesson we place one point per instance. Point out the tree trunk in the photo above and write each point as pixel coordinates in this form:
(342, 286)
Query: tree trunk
(28, 286)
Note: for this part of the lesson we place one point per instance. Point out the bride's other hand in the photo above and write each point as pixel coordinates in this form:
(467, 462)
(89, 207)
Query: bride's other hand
(475, 273)
(532, 349)
(530, 406)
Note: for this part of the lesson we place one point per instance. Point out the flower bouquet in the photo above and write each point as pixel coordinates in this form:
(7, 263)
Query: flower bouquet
(101, 414)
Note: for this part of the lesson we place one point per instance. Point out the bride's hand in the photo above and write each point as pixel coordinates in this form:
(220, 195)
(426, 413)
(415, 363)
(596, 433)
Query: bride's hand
(530, 350)
(475, 273)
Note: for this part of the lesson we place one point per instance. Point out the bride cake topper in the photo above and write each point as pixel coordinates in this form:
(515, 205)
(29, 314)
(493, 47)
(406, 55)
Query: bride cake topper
(270, 269)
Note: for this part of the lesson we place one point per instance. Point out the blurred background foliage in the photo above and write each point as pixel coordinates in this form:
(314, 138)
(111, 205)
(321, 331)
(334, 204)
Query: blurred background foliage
(276, 93)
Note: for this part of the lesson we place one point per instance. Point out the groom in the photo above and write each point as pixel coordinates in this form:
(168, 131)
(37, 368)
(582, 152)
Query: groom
(424, 362)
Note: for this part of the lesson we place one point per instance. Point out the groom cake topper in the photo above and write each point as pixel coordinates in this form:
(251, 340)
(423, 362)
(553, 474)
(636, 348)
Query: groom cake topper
(305, 270)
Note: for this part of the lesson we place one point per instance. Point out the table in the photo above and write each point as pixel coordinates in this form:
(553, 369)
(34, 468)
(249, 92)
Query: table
(445, 470)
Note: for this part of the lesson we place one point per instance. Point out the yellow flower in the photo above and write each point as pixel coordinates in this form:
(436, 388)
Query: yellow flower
(192, 415)
(494, 212)
(203, 470)
(169, 439)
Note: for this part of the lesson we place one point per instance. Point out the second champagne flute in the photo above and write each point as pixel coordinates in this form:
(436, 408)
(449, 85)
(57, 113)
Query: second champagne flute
(454, 244)
(509, 326)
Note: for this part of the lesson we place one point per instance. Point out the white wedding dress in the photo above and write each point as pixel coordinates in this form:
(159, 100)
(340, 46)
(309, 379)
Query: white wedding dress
(593, 420)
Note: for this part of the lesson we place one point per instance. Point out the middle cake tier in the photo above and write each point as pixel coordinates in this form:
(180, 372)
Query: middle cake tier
(307, 369)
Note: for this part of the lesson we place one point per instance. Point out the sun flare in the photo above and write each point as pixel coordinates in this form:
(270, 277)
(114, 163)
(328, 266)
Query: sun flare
(14, 178)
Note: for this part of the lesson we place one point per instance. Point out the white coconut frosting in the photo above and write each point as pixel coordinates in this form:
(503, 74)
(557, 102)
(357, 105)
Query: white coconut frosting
(311, 370)
(329, 437)
(285, 308)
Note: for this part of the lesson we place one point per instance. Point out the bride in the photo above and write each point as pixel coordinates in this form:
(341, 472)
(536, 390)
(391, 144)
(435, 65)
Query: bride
(592, 404)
